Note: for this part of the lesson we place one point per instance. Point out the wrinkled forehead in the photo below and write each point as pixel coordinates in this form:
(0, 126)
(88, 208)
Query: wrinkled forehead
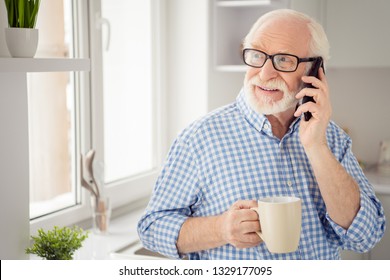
(287, 35)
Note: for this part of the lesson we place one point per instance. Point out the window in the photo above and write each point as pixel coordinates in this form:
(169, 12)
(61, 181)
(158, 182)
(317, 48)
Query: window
(115, 109)
(126, 114)
(127, 89)
(52, 111)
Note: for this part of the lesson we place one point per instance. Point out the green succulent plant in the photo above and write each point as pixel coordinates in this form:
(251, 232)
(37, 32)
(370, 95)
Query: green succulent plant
(57, 244)
(22, 13)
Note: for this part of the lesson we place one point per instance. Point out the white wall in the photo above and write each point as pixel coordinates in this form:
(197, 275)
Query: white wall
(223, 87)
(186, 62)
(14, 166)
(361, 103)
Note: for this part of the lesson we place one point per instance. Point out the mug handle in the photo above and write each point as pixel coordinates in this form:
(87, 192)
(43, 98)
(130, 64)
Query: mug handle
(259, 233)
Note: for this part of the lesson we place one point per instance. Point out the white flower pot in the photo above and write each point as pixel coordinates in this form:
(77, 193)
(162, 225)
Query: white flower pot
(22, 42)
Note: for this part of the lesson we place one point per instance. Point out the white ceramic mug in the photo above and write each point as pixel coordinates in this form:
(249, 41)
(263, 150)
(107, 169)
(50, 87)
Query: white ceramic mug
(280, 220)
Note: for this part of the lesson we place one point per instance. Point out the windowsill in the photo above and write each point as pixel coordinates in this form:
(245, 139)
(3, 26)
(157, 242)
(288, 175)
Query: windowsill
(122, 231)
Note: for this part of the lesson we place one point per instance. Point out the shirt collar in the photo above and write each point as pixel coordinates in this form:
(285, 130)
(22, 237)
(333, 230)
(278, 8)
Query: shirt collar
(258, 121)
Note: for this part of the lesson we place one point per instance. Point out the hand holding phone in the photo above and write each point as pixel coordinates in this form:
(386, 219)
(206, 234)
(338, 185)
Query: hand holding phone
(313, 72)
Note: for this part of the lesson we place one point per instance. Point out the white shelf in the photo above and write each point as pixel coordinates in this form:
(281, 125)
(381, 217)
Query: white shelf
(44, 64)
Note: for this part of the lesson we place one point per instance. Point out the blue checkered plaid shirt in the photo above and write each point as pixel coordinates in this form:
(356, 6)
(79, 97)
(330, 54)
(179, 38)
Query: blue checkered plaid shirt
(231, 154)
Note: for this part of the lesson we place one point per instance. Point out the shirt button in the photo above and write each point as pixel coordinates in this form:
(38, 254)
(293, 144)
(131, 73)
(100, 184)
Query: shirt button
(266, 126)
(289, 183)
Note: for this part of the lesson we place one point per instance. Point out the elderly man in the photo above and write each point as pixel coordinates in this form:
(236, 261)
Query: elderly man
(261, 146)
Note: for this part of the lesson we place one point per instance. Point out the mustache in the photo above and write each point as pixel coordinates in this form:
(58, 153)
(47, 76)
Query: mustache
(271, 84)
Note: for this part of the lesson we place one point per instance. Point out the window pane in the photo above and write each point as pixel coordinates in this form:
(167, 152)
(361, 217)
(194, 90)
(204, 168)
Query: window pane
(51, 99)
(127, 85)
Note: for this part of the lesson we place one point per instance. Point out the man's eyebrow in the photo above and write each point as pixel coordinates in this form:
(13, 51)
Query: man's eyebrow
(287, 51)
(257, 47)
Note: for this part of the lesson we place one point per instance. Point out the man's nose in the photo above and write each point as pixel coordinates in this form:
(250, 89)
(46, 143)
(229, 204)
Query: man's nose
(268, 72)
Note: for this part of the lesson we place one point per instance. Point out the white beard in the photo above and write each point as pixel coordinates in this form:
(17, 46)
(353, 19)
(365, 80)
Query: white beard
(265, 104)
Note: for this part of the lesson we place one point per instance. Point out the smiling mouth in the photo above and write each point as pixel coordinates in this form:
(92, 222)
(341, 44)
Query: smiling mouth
(268, 89)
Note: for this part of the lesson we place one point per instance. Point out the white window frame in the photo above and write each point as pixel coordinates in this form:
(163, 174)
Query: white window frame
(89, 118)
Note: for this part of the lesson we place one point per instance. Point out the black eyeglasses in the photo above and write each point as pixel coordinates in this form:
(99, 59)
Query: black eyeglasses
(282, 62)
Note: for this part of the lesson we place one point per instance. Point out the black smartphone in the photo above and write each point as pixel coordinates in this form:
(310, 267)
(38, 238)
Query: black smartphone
(313, 72)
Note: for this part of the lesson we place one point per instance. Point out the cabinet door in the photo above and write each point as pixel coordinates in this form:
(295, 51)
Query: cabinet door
(358, 32)
(232, 21)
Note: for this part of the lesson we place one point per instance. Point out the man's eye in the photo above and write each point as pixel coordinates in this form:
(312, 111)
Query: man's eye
(257, 56)
(284, 59)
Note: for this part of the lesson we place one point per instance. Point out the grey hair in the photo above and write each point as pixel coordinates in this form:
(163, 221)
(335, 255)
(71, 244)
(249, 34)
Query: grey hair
(318, 46)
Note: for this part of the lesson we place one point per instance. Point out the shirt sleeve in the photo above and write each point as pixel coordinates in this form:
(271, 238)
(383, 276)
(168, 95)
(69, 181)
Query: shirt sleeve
(176, 194)
(368, 226)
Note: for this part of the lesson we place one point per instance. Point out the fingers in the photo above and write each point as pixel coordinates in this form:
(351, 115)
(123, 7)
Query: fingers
(322, 77)
(311, 107)
(250, 226)
(241, 224)
(244, 204)
(248, 240)
(315, 82)
(313, 92)
(321, 106)
(318, 83)
(238, 216)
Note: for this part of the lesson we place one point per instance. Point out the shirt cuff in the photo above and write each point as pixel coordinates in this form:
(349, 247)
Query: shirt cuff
(166, 232)
(361, 225)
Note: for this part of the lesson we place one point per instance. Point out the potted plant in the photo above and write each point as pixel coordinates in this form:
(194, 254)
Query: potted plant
(21, 35)
(57, 244)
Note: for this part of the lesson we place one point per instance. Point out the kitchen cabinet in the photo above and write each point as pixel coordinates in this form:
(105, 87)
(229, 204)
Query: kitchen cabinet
(232, 21)
(357, 30)
(228, 23)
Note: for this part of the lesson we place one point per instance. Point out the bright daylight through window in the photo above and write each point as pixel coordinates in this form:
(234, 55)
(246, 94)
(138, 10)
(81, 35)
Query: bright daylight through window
(122, 117)
(127, 85)
(51, 101)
